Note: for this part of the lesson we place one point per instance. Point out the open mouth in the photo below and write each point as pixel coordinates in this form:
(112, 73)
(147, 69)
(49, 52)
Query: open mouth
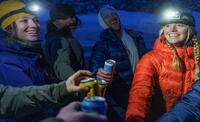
(174, 35)
(114, 22)
(32, 32)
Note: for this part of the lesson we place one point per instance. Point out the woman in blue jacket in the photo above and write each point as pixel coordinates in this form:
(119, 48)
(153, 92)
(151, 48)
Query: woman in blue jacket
(20, 55)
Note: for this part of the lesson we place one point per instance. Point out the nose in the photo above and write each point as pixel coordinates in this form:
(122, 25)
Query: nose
(173, 28)
(32, 23)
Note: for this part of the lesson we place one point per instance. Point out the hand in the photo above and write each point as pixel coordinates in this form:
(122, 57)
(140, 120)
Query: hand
(103, 75)
(71, 113)
(72, 83)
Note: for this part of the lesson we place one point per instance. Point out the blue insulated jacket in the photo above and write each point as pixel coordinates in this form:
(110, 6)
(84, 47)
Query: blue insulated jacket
(187, 110)
(20, 67)
(111, 47)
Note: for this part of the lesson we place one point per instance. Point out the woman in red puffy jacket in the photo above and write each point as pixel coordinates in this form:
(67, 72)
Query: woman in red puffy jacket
(167, 72)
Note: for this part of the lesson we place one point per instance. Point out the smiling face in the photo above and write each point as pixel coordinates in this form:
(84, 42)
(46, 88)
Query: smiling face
(176, 33)
(27, 28)
(112, 21)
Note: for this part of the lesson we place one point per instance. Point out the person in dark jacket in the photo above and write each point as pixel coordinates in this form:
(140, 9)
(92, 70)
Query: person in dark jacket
(19, 102)
(186, 110)
(62, 50)
(125, 47)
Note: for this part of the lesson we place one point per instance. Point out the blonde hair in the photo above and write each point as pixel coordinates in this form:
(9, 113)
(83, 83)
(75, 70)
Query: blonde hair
(176, 62)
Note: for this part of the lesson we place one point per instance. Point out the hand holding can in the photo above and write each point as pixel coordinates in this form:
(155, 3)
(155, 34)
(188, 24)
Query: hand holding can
(102, 85)
(91, 83)
(109, 65)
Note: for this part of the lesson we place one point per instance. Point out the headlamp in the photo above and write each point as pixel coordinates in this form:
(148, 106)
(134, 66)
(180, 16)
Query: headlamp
(174, 16)
(34, 7)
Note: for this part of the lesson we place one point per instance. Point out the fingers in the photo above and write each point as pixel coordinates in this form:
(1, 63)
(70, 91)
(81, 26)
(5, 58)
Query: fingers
(103, 78)
(102, 71)
(80, 89)
(81, 73)
(101, 74)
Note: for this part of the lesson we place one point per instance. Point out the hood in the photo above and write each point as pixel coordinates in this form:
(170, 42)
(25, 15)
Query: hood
(161, 46)
(101, 21)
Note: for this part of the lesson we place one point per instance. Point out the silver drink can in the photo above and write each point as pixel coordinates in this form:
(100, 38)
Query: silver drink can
(109, 65)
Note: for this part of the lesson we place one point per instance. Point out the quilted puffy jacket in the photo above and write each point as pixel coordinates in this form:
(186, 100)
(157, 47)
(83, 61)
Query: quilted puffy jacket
(156, 85)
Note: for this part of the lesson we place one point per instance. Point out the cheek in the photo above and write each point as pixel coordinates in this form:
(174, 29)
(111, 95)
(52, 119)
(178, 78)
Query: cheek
(165, 33)
(184, 33)
(106, 20)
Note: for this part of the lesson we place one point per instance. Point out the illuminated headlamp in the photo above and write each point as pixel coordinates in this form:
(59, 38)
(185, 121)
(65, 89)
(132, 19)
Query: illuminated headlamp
(33, 7)
(171, 16)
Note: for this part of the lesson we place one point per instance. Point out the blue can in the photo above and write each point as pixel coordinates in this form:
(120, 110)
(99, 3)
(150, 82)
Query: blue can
(94, 104)
(109, 65)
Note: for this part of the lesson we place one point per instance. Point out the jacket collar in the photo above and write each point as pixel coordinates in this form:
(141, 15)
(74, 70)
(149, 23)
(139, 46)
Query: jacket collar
(161, 46)
(19, 48)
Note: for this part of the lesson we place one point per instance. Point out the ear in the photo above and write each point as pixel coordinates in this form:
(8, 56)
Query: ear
(9, 29)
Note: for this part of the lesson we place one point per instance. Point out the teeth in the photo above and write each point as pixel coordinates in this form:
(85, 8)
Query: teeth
(173, 35)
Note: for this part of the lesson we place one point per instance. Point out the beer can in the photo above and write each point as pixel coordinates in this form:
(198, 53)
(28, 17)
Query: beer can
(109, 65)
(91, 84)
(94, 104)
(102, 85)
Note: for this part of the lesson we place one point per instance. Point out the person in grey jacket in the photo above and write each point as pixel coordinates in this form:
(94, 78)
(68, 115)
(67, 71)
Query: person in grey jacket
(18, 102)
(62, 50)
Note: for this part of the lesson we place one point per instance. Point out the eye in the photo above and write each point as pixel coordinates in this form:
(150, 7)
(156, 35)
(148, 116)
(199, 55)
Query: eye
(167, 26)
(24, 20)
(181, 25)
(36, 20)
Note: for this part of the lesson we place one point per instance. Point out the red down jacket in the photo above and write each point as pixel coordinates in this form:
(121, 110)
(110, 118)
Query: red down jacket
(156, 85)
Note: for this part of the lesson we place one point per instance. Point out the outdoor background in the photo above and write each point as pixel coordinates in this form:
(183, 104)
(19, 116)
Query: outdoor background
(139, 15)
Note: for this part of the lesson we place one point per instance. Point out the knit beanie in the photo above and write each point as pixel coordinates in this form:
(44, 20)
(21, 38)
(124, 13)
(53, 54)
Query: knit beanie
(10, 11)
(61, 11)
